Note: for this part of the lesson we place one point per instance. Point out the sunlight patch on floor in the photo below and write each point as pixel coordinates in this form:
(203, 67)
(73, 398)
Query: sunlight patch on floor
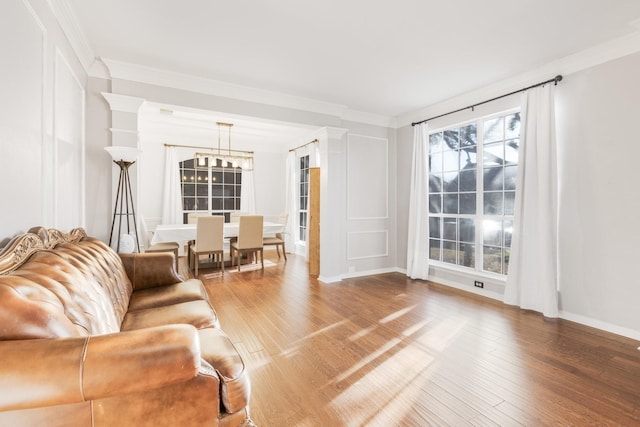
(396, 315)
(442, 334)
(362, 333)
(385, 385)
(295, 346)
(321, 331)
(415, 328)
(391, 387)
(259, 360)
(403, 403)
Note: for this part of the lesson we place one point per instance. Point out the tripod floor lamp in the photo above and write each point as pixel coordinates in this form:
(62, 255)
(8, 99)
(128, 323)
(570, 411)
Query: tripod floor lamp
(124, 210)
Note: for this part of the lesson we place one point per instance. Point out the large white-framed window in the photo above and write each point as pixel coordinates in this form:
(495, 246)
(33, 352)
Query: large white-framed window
(303, 197)
(472, 184)
(214, 190)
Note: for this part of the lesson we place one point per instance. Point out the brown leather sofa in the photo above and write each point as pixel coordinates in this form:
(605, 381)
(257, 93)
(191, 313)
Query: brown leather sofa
(92, 338)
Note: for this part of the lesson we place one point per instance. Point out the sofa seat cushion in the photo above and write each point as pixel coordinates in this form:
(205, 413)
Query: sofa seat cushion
(197, 313)
(190, 290)
(217, 349)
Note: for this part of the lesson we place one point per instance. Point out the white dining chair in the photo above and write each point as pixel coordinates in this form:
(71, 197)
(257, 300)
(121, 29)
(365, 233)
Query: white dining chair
(249, 238)
(209, 240)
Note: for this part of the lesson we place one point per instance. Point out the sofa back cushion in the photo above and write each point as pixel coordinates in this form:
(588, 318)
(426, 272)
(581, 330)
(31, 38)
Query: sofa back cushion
(75, 289)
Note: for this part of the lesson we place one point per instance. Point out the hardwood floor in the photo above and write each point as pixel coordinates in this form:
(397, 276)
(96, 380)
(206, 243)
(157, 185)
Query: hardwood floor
(388, 351)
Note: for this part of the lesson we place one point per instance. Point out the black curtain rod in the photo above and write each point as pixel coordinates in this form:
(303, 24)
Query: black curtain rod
(555, 81)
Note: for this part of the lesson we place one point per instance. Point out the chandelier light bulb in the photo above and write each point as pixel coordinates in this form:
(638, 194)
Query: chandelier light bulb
(219, 157)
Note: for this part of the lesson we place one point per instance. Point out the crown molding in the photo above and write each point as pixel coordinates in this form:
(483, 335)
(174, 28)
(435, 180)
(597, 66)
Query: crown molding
(154, 76)
(149, 75)
(128, 131)
(125, 103)
(369, 118)
(330, 132)
(68, 21)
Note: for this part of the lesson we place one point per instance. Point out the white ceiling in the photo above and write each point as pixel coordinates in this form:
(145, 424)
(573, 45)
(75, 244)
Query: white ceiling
(381, 57)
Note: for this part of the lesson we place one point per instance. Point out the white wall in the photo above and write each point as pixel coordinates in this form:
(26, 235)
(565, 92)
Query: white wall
(596, 112)
(98, 165)
(599, 148)
(41, 121)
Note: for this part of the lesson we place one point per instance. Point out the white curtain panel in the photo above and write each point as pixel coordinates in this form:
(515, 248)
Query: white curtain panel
(291, 202)
(418, 237)
(532, 280)
(314, 155)
(172, 195)
(248, 193)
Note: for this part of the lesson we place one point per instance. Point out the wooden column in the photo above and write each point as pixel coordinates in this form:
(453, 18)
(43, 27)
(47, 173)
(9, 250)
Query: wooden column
(313, 240)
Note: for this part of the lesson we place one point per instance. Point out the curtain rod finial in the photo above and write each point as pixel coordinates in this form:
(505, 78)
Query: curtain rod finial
(557, 79)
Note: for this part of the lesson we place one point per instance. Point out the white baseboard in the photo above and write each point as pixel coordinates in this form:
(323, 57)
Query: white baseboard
(371, 272)
(598, 324)
(458, 283)
(334, 279)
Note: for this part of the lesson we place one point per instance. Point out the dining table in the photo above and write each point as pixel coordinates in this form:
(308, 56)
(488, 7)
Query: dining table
(183, 233)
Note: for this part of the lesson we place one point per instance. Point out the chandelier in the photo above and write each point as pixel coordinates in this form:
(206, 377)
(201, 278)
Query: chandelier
(224, 157)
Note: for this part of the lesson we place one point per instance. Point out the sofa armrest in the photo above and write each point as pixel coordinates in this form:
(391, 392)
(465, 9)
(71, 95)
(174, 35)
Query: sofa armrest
(44, 372)
(148, 270)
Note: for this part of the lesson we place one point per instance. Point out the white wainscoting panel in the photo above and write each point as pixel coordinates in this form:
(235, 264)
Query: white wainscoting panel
(23, 44)
(367, 177)
(367, 244)
(68, 146)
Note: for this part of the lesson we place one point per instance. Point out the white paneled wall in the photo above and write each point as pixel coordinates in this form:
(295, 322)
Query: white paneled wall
(41, 121)
(68, 146)
(367, 203)
(367, 177)
(367, 244)
(22, 127)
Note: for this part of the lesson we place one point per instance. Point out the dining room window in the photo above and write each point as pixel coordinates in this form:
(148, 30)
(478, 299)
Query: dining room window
(213, 189)
(472, 187)
(303, 198)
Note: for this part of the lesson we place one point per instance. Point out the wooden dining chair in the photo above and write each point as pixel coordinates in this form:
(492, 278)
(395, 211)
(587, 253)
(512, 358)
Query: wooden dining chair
(209, 240)
(249, 238)
(278, 239)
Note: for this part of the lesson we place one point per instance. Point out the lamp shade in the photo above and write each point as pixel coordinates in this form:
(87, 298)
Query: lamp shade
(128, 154)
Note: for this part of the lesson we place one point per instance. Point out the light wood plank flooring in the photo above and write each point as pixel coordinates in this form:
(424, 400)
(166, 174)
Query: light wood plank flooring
(388, 351)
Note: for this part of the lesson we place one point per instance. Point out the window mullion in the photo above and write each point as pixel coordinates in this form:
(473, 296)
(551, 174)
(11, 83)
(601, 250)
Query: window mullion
(209, 191)
(480, 197)
(495, 161)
